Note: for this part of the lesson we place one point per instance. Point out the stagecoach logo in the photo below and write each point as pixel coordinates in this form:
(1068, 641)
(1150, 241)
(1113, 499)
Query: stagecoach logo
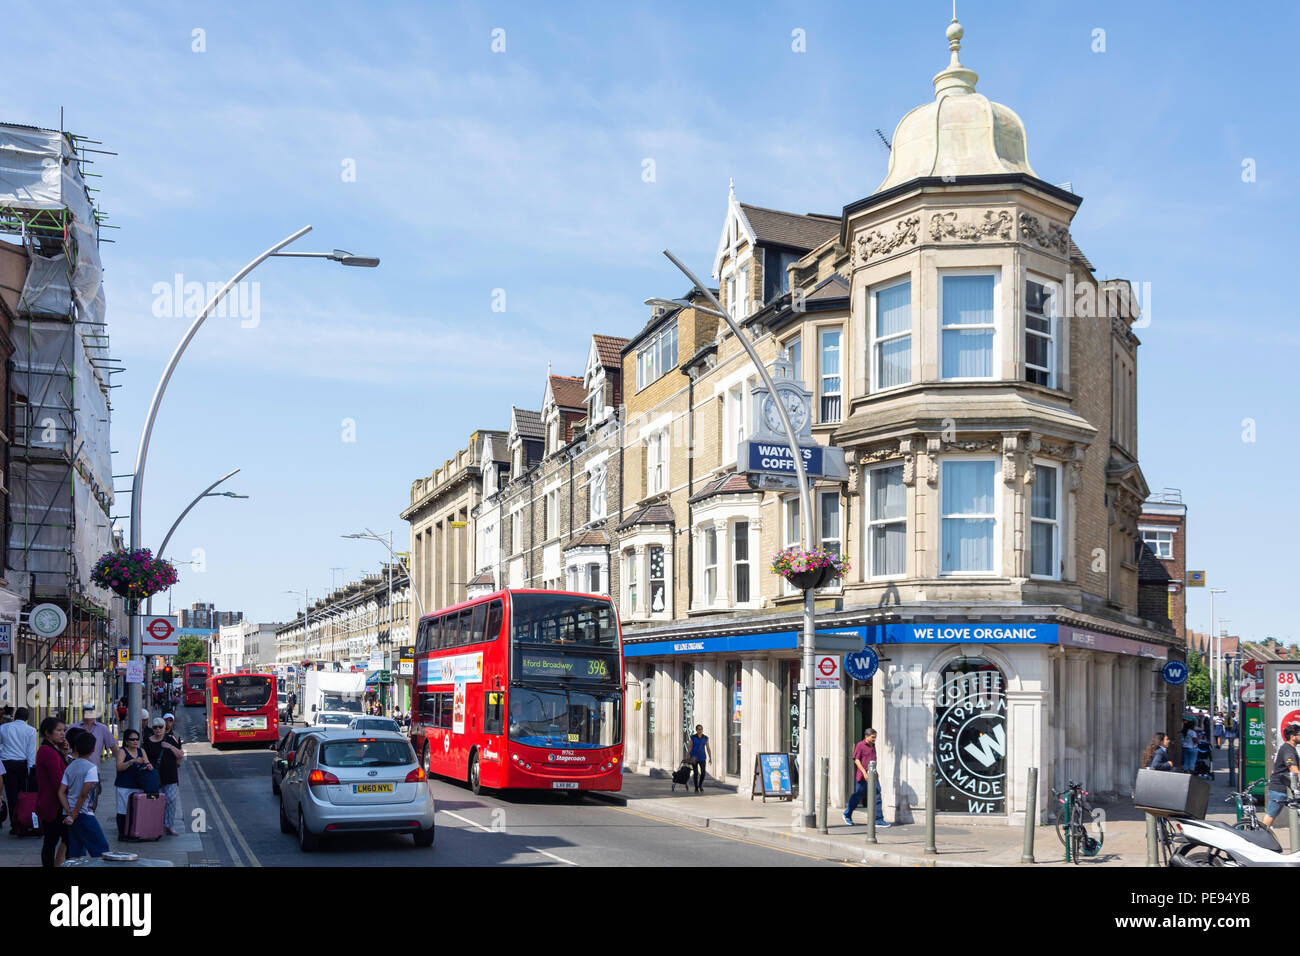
(491, 755)
(971, 743)
(567, 757)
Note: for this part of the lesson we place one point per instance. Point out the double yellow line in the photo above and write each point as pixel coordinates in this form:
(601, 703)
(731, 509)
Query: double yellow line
(224, 822)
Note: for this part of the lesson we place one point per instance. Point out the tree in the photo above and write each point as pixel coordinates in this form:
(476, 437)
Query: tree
(191, 649)
(1198, 681)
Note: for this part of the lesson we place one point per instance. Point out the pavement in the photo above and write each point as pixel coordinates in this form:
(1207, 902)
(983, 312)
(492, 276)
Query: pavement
(720, 809)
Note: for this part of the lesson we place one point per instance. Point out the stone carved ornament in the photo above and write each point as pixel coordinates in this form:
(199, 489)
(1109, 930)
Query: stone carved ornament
(992, 225)
(1052, 236)
(880, 242)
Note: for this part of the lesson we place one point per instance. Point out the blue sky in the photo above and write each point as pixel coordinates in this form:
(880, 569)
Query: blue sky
(522, 171)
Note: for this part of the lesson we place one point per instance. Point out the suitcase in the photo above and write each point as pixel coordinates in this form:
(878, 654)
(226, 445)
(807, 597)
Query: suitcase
(144, 816)
(682, 775)
(1163, 793)
(23, 814)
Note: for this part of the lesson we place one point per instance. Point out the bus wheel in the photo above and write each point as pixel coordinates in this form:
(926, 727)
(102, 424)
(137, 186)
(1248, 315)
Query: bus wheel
(475, 783)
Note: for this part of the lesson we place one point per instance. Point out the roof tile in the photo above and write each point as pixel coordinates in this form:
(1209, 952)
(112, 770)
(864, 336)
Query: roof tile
(790, 228)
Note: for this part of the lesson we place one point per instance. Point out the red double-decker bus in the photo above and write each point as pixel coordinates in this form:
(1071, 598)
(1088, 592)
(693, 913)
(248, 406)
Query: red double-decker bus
(521, 690)
(242, 709)
(195, 683)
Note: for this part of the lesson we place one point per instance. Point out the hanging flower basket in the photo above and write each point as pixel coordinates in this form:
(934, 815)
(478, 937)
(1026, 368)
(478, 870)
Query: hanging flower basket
(133, 574)
(809, 569)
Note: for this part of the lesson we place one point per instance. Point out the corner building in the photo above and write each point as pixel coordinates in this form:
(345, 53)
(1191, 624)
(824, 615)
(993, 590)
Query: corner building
(982, 383)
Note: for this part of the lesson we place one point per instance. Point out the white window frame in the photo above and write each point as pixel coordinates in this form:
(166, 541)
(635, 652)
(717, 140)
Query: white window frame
(656, 462)
(1149, 543)
(1056, 523)
(996, 362)
(733, 419)
(1053, 317)
(709, 533)
(795, 344)
(873, 522)
(596, 493)
(743, 280)
(996, 570)
(836, 584)
(733, 536)
(873, 373)
(552, 513)
(649, 364)
(791, 536)
(822, 394)
(631, 582)
(516, 531)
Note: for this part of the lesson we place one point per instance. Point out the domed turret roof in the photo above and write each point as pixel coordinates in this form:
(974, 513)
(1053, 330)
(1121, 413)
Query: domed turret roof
(961, 133)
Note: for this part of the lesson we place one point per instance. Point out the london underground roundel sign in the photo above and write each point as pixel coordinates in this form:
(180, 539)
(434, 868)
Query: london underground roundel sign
(1174, 672)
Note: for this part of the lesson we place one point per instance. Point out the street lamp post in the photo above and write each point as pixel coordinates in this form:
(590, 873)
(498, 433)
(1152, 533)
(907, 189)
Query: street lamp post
(142, 453)
(807, 730)
(1214, 680)
(392, 559)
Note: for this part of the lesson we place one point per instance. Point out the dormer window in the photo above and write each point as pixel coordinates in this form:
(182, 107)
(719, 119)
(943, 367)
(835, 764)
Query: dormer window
(657, 357)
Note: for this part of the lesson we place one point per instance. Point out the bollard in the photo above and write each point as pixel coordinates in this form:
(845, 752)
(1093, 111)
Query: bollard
(1293, 819)
(1031, 808)
(872, 783)
(1153, 840)
(929, 809)
(823, 794)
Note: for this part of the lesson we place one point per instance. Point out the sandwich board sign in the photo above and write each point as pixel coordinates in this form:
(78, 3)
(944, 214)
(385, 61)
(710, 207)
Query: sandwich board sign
(772, 777)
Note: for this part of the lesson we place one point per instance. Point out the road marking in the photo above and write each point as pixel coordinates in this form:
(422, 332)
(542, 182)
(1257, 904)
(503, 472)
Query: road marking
(490, 830)
(221, 827)
(248, 851)
(736, 839)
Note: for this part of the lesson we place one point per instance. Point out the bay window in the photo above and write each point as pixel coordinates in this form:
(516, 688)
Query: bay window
(1040, 334)
(891, 336)
(969, 326)
(710, 559)
(631, 577)
(1045, 523)
(969, 487)
(886, 522)
(829, 380)
(740, 561)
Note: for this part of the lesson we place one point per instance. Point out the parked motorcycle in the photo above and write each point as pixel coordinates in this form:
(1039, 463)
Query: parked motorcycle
(1196, 843)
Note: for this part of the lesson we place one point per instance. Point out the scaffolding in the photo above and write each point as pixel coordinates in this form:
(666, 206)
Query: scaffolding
(60, 480)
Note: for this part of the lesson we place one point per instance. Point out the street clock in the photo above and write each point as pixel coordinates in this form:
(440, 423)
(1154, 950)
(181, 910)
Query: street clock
(791, 393)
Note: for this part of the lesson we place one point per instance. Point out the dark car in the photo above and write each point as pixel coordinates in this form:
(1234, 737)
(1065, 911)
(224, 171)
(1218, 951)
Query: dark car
(284, 752)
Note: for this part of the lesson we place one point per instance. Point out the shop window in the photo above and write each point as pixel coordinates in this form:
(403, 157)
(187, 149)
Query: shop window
(733, 723)
(970, 738)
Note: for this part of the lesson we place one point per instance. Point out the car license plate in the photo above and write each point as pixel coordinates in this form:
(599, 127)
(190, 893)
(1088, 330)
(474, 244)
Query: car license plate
(564, 785)
(372, 788)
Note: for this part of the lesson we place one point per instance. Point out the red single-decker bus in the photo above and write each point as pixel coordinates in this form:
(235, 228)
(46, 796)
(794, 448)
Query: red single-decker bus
(242, 709)
(521, 689)
(195, 683)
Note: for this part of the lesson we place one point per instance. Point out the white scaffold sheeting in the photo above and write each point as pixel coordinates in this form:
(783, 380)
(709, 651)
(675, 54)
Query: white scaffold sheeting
(67, 401)
(38, 170)
(41, 511)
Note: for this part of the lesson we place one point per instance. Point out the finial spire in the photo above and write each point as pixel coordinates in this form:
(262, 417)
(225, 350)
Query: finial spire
(731, 186)
(956, 79)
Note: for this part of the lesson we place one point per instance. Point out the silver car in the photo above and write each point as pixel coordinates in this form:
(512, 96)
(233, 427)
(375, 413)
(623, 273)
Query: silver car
(375, 724)
(348, 781)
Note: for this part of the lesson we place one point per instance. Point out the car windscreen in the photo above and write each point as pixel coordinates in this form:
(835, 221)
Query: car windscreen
(244, 691)
(331, 719)
(375, 724)
(366, 753)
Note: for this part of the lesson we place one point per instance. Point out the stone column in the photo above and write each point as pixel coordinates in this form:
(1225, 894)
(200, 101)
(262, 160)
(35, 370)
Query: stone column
(1108, 741)
(1075, 716)
(1131, 736)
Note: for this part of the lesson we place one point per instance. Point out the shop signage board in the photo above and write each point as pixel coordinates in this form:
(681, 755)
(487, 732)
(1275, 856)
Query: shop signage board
(1174, 672)
(862, 665)
(1196, 579)
(1254, 746)
(135, 671)
(772, 777)
(6, 637)
(1281, 704)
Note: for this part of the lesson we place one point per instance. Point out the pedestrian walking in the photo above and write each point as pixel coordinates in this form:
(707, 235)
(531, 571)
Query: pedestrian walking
(165, 752)
(1189, 740)
(1156, 756)
(132, 762)
(864, 752)
(51, 762)
(78, 791)
(289, 706)
(18, 742)
(1218, 731)
(701, 756)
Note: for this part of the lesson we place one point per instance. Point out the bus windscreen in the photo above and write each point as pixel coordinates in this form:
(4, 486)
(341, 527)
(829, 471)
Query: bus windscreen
(244, 691)
(563, 620)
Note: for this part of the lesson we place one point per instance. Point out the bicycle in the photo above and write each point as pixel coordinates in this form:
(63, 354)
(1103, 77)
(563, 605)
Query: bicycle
(1073, 811)
(1247, 815)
